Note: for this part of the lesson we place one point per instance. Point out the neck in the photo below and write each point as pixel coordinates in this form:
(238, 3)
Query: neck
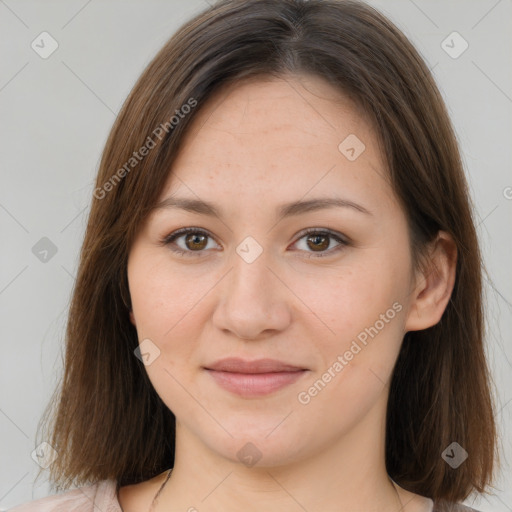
(344, 474)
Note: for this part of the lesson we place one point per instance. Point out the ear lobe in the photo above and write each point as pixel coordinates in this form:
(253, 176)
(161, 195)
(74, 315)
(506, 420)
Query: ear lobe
(434, 285)
(132, 318)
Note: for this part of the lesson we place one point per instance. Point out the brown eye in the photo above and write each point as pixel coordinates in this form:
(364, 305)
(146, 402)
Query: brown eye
(195, 241)
(318, 242)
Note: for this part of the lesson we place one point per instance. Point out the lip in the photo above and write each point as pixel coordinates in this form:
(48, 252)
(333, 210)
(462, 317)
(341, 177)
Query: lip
(254, 378)
(239, 365)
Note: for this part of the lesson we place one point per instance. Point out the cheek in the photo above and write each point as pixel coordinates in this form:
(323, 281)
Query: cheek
(357, 365)
(168, 307)
(163, 298)
(363, 310)
(166, 312)
(354, 297)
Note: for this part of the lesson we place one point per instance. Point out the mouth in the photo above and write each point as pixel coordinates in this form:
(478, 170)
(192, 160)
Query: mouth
(254, 378)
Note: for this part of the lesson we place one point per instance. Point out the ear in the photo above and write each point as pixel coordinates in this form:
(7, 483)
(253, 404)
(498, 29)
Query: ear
(132, 318)
(434, 284)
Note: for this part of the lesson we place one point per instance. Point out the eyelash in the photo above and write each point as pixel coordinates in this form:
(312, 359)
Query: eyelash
(169, 239)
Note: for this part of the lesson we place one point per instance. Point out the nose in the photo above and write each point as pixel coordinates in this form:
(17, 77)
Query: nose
(253, 301)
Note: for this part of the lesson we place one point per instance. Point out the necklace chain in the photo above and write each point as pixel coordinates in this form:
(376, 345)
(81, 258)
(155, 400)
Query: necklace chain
(401, 509)
(160, 490)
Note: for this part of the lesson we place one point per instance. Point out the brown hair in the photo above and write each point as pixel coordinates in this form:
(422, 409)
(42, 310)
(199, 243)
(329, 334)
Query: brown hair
(109, 422)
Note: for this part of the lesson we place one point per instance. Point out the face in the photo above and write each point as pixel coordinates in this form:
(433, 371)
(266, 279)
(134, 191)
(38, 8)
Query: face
(323, 288)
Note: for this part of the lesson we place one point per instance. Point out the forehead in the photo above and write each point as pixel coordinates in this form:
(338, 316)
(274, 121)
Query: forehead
(278, 136)
(280, 107)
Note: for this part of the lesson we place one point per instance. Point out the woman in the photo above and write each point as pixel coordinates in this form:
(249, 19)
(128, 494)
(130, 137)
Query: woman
(278, 303)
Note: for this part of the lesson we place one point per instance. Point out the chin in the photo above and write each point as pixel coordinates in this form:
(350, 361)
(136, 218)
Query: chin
(254, 447)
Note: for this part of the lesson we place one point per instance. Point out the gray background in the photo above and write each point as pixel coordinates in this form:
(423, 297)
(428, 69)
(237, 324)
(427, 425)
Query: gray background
(56, 114)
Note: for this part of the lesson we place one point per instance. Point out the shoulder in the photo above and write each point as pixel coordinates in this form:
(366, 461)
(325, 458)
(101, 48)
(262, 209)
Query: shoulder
(452, 507)
(98, 496)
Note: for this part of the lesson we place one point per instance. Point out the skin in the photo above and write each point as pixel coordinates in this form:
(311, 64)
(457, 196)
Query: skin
(253, 146)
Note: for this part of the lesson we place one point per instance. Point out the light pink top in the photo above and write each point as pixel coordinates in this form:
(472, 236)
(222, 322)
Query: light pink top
(100, 496)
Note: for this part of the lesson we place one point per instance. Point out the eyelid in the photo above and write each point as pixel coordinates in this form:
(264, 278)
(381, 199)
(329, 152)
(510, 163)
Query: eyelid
(342, 239)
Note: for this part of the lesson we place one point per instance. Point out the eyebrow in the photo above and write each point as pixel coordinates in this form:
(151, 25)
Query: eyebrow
(286, 210)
